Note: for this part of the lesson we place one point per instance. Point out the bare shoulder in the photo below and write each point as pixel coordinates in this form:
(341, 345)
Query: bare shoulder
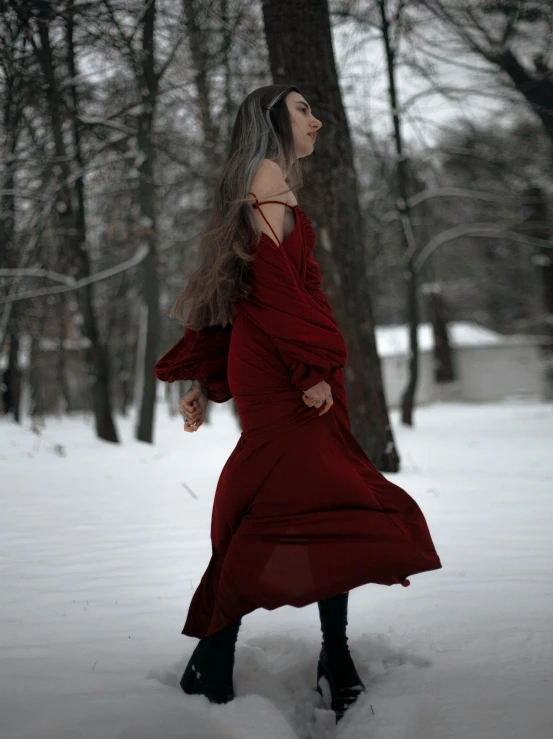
(268, 183)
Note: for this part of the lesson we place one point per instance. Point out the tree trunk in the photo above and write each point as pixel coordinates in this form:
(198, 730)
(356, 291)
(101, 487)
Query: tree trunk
(147, 225)
(408, 236)
(444, 368)
(199, 55)
(9, 321)
(300, 52)
(538, 226)
(64, 400)
(13, 379)
(8, 257)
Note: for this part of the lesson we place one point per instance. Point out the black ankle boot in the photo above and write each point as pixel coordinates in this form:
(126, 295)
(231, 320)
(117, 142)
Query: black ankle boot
(335, 662)
(209, 670)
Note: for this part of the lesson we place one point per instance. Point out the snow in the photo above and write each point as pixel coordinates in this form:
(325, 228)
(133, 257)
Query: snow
(393, 340)
(102, 546)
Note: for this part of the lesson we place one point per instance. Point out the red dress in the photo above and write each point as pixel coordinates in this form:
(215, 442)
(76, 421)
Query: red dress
(300, 512)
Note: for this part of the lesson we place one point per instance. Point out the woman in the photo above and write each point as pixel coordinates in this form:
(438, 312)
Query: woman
(300, 515)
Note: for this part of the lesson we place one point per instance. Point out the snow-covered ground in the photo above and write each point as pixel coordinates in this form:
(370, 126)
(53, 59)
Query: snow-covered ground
(101, 547)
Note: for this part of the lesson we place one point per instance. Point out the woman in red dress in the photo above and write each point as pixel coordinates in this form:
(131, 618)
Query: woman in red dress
(300, 515)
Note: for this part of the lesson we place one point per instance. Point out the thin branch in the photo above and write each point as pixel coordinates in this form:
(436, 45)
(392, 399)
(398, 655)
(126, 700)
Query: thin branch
(170, 57)
(449, 192)
(127, 41)
(509, 26)
(38, 272)
(89, 121)
(437, 8)
(140, 18)
(477, 229)
(139, 256)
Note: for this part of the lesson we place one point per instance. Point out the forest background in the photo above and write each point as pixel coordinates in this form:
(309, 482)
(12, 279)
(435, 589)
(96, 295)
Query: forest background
(435, 158)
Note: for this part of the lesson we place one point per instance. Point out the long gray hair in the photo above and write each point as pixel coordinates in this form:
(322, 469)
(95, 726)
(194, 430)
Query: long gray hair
(262, 130)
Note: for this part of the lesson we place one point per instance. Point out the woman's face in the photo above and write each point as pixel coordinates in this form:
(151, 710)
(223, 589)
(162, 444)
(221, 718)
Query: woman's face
(304, 124)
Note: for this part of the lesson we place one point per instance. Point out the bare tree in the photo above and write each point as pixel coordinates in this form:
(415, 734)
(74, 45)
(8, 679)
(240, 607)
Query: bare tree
(12, 56)
(390, 39)
(196, 33)
(147, 72)
(70, 206)
(148, 85)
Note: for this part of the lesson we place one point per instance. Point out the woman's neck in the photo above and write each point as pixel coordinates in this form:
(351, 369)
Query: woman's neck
(282, 164)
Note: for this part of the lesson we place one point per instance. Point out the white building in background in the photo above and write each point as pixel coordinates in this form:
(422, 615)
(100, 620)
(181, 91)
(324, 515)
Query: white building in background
(490, 366)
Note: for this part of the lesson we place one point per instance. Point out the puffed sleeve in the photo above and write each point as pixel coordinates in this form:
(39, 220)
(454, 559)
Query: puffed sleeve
(307, 337)
(200, 355)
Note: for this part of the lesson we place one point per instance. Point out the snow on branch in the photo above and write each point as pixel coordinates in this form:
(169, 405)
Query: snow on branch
(38, 272)
(69, 282)
(488, 230)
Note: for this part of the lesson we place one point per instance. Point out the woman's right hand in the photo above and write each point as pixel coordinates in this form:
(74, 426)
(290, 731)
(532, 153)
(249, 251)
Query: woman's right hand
(319, 396)
(193, 407)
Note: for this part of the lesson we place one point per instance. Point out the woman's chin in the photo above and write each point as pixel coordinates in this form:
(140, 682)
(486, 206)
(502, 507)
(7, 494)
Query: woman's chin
(307, 151)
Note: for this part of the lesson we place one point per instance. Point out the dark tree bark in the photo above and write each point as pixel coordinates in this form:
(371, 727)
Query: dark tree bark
(538, 225)
(199, 54)
(71, 214)
(149, 83)
(444, 367)
(13, 99)
(300, 51)
(12, 379)
(8, 258)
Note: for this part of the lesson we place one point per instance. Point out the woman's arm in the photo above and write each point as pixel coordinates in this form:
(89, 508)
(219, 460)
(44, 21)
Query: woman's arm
(201, 356)
(202, 387)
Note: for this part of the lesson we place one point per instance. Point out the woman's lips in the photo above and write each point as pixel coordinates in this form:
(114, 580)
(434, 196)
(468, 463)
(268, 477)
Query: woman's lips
(313, 135)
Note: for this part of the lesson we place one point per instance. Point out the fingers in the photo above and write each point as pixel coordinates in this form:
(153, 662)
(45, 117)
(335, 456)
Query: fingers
(327, 406)
(190, 429)
(193, 415)
(312, 402)
(192, 423)
(189, 408)
(324, 403)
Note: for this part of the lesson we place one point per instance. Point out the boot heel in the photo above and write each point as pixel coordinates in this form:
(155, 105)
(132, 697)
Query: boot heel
(186, 681)
(323, 672)
(341, 697)
(188, 677)
(209, 669)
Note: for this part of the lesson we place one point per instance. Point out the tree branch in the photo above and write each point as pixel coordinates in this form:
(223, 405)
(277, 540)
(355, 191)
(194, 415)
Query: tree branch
(477, 229)
(139, 256)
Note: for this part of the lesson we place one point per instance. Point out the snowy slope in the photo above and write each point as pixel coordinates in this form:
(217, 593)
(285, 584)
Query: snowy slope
(102, 546)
